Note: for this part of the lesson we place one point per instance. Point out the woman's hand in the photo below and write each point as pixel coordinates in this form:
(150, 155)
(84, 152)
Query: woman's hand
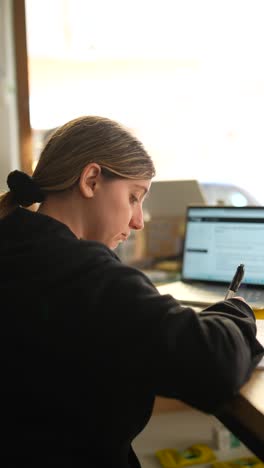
(240, 298)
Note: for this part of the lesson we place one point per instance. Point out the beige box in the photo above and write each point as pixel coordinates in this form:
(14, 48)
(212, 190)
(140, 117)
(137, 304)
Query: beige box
(163, 236)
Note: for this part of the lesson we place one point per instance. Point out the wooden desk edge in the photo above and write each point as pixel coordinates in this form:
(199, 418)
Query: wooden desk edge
(246, 422)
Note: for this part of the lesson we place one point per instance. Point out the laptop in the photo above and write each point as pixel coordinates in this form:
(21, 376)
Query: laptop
(217, 240)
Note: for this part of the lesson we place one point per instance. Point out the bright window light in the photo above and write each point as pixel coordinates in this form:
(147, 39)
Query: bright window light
(186, 76)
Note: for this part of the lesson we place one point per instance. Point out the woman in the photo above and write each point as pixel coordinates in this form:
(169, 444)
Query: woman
(88, 342)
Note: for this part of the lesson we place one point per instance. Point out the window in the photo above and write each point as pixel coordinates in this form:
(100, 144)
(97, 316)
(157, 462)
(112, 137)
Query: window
(186, 76)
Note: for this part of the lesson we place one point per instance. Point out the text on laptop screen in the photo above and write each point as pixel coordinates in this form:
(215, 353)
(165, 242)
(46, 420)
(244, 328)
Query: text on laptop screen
(218, 239)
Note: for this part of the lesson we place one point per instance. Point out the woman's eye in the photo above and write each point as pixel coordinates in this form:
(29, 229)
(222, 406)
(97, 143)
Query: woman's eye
(133, 199)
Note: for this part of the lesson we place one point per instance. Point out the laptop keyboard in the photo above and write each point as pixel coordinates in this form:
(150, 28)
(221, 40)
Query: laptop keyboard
(256, 295)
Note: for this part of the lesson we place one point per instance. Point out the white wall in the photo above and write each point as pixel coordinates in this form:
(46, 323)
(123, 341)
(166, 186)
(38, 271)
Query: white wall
(9, 154)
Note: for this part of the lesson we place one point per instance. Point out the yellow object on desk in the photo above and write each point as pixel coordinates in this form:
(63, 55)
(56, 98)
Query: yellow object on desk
(259, 313)
(169, 265)
(194, 455)
(244, 462)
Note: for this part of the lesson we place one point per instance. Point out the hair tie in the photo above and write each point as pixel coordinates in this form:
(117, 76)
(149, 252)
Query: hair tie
(24, 188)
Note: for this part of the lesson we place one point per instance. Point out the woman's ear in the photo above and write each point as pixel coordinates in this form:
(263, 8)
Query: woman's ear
(89, 179)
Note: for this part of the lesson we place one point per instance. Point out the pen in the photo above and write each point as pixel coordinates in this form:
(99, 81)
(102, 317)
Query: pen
(236, 281)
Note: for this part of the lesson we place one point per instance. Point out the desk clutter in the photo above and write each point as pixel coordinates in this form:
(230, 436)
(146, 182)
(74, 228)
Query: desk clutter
(191, 438)
(162, 272)
(162, 237)
(203, 457)
(218, 455)
(194, 455)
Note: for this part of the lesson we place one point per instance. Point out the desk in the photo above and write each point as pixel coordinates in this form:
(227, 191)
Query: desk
(244, 414)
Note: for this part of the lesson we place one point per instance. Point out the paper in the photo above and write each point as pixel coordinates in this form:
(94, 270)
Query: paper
(260, 338)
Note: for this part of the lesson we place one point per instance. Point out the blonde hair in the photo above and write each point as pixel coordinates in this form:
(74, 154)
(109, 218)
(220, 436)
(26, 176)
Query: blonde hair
(82, 141)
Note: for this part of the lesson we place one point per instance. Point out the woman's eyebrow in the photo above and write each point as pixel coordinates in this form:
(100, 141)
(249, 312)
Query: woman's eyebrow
(141, 188)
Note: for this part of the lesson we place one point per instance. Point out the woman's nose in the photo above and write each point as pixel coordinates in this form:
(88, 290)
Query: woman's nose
(137, 220)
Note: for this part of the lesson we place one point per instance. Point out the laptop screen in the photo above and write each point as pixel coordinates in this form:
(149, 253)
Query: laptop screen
(218, 239)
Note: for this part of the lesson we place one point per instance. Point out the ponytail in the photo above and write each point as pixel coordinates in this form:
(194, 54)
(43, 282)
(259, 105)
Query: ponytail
(7, 204)
(24, 191)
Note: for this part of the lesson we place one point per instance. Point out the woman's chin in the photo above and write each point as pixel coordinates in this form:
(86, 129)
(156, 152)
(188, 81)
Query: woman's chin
(114, 244)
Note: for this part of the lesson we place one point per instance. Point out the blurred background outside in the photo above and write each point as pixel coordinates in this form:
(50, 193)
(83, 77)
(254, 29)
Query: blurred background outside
(185, 76)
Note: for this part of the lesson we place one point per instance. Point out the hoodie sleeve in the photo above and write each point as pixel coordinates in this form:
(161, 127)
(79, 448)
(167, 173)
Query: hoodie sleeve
(218, 350)
(200, 358)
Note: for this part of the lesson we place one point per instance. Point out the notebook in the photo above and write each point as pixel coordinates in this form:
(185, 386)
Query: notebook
(260, 337)
(217, 240)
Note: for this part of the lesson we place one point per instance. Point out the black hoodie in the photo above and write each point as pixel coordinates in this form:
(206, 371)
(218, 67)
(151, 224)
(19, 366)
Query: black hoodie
(88, 342)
